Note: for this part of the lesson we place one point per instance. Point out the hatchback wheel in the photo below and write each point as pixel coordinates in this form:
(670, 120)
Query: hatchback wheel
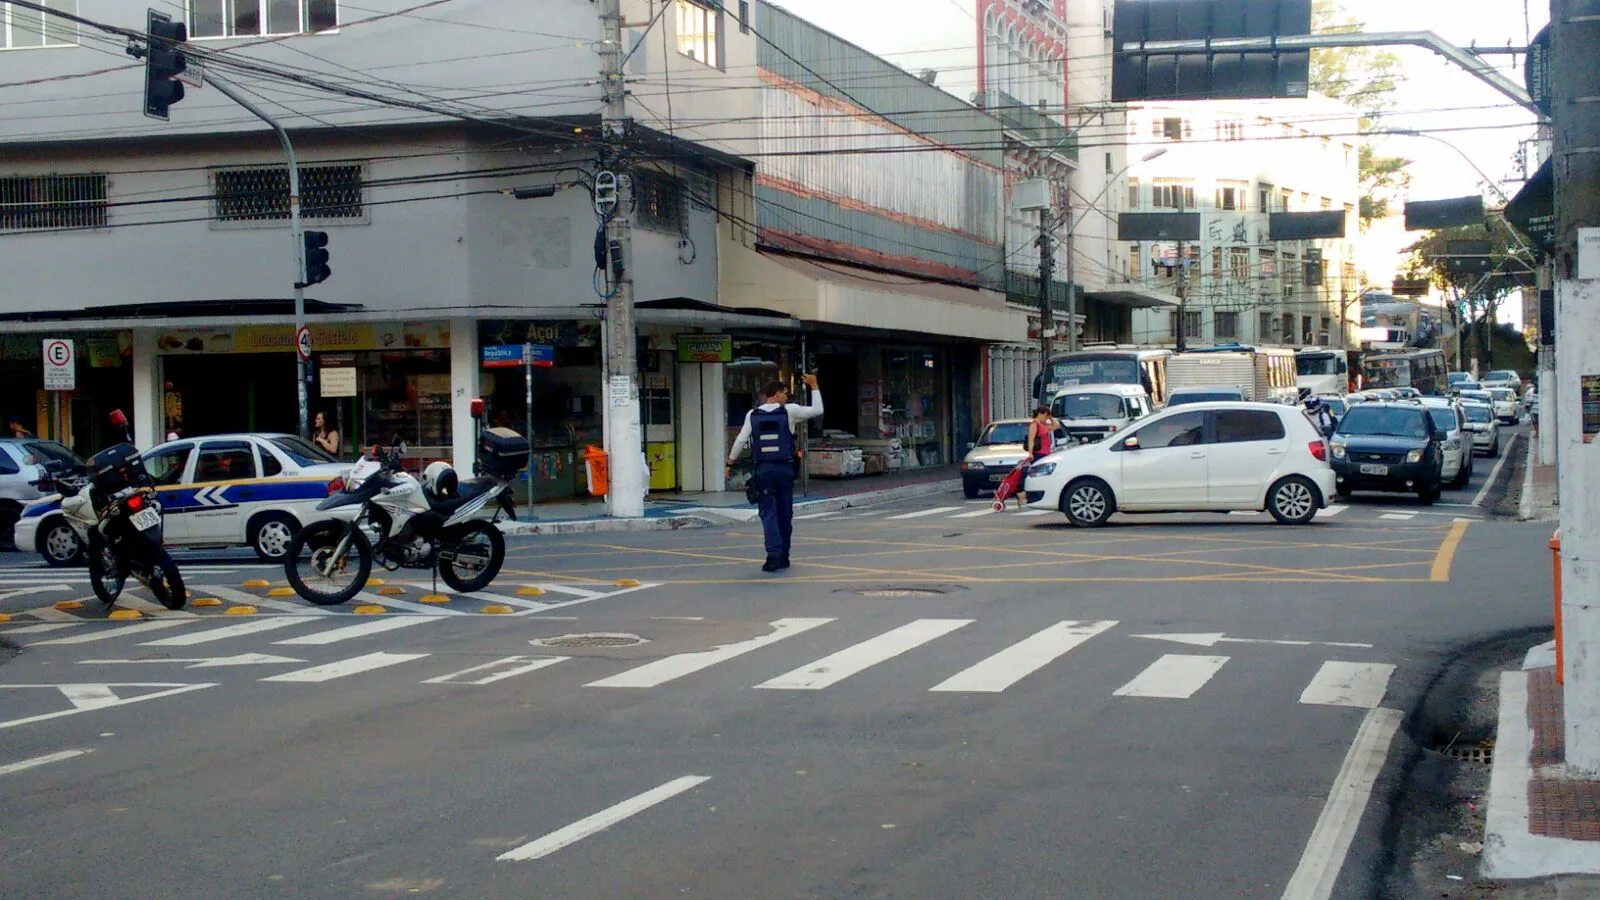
(1088, 503)
(1293, 501)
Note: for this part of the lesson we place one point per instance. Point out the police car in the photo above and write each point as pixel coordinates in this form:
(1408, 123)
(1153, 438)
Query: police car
(254, 490)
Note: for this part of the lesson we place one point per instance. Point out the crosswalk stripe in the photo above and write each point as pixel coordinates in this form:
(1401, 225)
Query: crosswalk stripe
(352, 666)
(489, 597)
(836, 667)
(820, 515)
(421, 608)
(1402, 517)
(39, 629)
(1359, 685)
(664, 670)
(114, 631)
(130, 601)
(925, 512)
(1030, 513)
(1175, 676)
(298, 607)
(350, 632)
(986, 511)
(51, 614)
(1331, 511)
(1023, 658)
(519, 665)
(230, 631)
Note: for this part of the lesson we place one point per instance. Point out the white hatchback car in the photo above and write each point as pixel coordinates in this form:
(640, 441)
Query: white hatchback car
(1207, 457)
(1458, 450)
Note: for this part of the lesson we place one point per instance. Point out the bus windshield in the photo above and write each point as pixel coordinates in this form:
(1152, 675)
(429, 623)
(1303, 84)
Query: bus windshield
(1067, 373)
(1382, 373)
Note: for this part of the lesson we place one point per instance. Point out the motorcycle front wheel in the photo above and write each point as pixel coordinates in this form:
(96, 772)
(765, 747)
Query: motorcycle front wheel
(484, 550)
(321, 574)
(166, 582)
(105, 574)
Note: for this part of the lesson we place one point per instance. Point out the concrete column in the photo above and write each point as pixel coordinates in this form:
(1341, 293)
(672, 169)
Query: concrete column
(464, 371)
(1577, 319)
(713, 425)
(149, 423)
(691, 443)
(1548, 421)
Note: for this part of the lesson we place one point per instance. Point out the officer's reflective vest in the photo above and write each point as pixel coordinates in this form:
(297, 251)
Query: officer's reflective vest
(771, 439)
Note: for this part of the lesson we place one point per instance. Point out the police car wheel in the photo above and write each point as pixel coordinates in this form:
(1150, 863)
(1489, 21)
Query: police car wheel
(270, 536)
(59, 544)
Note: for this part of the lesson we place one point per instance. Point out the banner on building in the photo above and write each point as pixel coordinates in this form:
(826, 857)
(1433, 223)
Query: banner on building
(705, 348)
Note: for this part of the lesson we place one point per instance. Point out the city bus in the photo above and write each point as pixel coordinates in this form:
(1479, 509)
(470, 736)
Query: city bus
(1108, 364)
(1421, 370)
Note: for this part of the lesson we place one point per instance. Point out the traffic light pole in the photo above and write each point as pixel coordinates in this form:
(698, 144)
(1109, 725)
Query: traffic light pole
(296, 232)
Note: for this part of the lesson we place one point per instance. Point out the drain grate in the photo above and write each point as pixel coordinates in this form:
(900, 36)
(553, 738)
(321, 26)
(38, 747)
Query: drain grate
(900, 592)
(590, 640)
(1484, 755)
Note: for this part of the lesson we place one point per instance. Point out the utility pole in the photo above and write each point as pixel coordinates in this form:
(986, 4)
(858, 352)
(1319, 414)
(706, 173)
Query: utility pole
(624, 439)
(1574, 88)
(1072, 282)
(1046, 313)
(1183, 285)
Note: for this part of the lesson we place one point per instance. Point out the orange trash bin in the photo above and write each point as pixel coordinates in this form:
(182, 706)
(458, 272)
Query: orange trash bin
(595, 461)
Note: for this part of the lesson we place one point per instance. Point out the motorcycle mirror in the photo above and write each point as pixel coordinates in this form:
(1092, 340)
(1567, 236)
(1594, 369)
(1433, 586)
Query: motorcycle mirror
(118, 420)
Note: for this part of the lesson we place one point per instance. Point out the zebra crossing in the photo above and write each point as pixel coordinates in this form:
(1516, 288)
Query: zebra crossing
(1045, 654)
(987, 512)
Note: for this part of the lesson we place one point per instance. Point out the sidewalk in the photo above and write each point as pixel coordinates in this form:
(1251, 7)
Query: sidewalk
(1538, 500)
(1541, 821)
(669, 512)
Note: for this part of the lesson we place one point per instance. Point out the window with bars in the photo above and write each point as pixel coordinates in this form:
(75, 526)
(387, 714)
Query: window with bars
(658, 202)
(21, 28)
(262, 194)
(52, 201)
(254, 18)
(1227, 324)
(1239, 263)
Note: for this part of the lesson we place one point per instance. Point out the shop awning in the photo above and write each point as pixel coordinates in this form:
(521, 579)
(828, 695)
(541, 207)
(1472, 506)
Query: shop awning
(1135, 296)
(695, 313)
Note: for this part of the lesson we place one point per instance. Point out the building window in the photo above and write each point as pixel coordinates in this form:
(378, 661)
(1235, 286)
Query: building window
(1133, 261)
(262, 194)
(1231, 195)
(1227, 324)
(1173, 129)
(1216, 262)
(1326, 203)
(1170, 196)
(1230, 130)
(1265, 325)
(1193, 325)
(20, 28)
(52, 201)
(1239, 263)
(253, 18)
(1264, 198)
(1133, 193)
(700, 31)
(658, 202)
(1268, 262)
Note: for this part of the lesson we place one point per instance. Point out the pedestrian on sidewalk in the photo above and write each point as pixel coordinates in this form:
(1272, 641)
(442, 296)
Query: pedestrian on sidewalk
(771, 427)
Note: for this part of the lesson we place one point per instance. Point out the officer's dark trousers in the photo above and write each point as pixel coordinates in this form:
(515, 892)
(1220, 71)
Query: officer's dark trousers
(775, 481)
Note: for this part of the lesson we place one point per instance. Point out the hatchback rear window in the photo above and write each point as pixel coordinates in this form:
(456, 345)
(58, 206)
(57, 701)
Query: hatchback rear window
(1237, 426)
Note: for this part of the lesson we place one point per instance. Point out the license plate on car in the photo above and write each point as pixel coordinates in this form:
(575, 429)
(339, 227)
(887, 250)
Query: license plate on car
(1374, 470)
(145, 520)
(996, 479)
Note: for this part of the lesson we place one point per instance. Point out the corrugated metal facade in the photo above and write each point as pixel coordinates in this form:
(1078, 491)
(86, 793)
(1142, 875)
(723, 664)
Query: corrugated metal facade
(1011, 371)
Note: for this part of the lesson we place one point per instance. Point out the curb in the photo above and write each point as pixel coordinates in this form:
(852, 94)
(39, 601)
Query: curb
(711, 517)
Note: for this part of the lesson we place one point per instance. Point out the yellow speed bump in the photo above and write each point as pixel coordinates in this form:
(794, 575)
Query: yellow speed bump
(205, 601)
(495, 609)
(392, 591)
(627, 582)
(68, 604)
(374, 582)
(369, 609)
(124, 614)
(434, 598)
(4, 617)
(281, 592)
(530, 592)
(241, 611)
(257, 583)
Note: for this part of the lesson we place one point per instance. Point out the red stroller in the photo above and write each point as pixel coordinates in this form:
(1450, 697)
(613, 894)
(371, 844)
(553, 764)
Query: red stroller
(1011, 484)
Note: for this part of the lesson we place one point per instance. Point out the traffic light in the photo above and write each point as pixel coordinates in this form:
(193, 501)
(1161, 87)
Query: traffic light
(317, 270)
(164, 61)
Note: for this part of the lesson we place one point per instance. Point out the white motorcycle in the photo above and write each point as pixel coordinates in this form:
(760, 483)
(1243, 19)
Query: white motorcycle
(431, 524)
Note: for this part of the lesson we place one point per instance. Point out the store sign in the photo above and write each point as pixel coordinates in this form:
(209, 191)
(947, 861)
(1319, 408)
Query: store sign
(60, 365)
(337, 382)
(324, 337)
(503, 356)
(705, 348)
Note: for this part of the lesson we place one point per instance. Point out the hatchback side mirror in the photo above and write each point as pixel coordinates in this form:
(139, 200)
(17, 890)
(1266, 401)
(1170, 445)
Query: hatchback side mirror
(1131, 443)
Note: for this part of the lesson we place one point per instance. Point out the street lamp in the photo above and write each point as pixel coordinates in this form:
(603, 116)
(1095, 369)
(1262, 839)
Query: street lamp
(1072, 225)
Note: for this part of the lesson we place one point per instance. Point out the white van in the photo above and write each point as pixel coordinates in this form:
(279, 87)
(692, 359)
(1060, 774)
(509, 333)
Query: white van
(1090, 412)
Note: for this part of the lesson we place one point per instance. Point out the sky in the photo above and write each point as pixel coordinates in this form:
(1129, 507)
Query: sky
(1434, 95)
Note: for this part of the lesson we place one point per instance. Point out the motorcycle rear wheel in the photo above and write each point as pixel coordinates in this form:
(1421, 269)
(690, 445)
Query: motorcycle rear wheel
(466, 579)
(166, 583)
(105, 575)
(313, 548)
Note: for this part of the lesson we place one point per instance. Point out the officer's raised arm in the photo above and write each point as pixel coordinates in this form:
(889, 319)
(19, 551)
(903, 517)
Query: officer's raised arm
(798, 413)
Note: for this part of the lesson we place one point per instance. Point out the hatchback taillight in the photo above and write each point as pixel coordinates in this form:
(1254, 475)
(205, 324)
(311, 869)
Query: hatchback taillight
(1319, 449)
(335, 486)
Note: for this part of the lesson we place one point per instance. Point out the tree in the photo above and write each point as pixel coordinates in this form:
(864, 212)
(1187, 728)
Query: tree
(1365, 78)
(1474, 298)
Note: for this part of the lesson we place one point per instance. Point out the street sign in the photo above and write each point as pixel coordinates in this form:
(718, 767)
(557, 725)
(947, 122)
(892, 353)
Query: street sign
(60, 367)
(1536, 76)
(1306, 226)
(1204, 73)
(509, 356)
(1457, 211)
(302, 342)
(1158, 226)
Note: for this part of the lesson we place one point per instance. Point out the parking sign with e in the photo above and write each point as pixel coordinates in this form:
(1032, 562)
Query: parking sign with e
(60, 368)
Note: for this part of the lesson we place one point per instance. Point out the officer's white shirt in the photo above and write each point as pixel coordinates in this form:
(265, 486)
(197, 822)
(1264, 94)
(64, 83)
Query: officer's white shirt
(797, 414)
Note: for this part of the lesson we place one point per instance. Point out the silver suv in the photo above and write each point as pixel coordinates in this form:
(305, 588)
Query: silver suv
(28, 469)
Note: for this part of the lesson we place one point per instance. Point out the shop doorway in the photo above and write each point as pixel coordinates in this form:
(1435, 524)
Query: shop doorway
(232, 392)
(840, 376)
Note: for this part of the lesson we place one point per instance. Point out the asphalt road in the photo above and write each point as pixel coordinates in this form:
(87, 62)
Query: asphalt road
(934, 702)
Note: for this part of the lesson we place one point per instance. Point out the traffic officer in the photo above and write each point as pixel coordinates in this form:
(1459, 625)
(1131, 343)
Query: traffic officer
(771, 428)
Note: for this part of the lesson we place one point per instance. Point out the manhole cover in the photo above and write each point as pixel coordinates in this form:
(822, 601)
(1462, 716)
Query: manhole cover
(1483, 755)
(900, 592)
(590, 640)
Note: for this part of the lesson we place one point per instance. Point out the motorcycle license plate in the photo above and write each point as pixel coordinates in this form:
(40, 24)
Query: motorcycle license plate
(1374, 470)
(146, 519)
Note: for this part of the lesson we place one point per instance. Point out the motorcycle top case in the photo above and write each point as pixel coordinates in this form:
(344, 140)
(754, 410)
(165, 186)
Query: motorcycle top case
(502, 452)
(117, 467)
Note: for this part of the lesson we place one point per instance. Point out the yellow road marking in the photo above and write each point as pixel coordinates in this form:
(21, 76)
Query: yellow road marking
(1447, 552)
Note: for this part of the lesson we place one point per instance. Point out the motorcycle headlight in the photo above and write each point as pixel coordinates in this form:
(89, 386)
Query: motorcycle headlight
(1414, 456)
(1042, 469)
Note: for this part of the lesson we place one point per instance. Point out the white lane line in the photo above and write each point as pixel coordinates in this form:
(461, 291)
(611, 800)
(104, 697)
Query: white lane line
(236, 596)
(31, 586)
(352, 666)
(571, 589)
(1325, 852)
(90, 696)
(1332, 511)
(1030, 513)
(986, 511)
(230, 631)
(44, 760)
(1494, 473)
(602, 820)
(1023, 658)
(421, 609)
(820, 515)
(1245, 512)
(39, 629)
(172, 690)
(837, 667)
(926, 512)
(1176, 676)
(1399, 517)
(1359, 685)
(519, 665)
(664, 670)
(350, 632)
(112, 631)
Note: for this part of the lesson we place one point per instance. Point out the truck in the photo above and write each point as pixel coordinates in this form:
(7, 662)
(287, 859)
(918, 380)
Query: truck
(1265, 374)
(1322, 371)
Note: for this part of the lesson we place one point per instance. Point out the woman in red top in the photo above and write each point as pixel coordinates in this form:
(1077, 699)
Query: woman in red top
(1041, 433)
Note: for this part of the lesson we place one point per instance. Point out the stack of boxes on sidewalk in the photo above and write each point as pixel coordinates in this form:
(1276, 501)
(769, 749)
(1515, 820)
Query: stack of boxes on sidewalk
(841, 455)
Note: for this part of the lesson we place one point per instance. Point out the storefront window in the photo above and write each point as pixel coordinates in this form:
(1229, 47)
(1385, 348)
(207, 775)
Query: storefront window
(913, 403)
(406, 398)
